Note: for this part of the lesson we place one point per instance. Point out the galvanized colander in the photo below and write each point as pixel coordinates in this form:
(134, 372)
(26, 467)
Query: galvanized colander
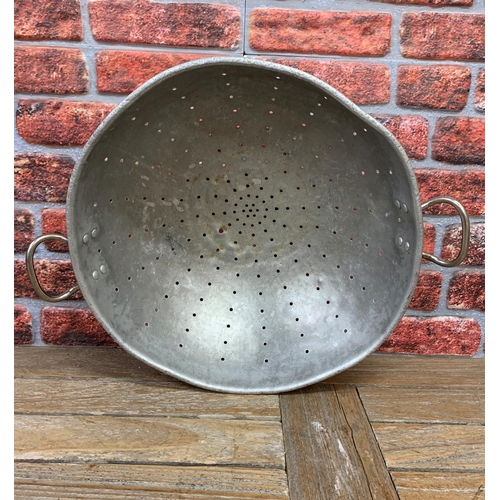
(244, 227)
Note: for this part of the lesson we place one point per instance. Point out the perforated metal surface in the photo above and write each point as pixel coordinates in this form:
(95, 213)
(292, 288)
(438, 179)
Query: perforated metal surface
(244, 227)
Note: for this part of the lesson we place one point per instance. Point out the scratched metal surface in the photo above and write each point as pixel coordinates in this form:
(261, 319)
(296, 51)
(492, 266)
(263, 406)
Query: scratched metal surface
(244, 227)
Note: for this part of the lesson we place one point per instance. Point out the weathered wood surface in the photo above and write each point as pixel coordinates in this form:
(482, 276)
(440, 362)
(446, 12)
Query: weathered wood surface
(439, 486)
(415, 371)
(140, 397)
(378, 477)
(440, 405)
(377, 369)
(70, 481)
(88, 362)
(97, 423)
(321, 439)
(83, 438)
(431, 446)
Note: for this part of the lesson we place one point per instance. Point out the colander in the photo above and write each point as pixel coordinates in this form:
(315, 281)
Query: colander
(244, 227)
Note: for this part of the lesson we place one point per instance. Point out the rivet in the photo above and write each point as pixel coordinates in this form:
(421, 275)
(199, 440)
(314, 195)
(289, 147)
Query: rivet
(103, 269)
(95, 275)
(94, 232)
(85, 238)
(407, 246)
(399, 241)
(405, 208)
(397, 203)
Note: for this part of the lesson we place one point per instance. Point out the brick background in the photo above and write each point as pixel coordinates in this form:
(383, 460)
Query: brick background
(50, 70)
(121, 71)
(22, 325)
(432, 35)
(417, 66)
(175, 24)
(47, 20)
(24, 229)
(363, 83)
(54, 276)
(54, 221)
(434, 87)
(320, 32)
(63, 123)
(452, 240)
(479, 100)
(430, 3)
(441, 335)
(466, 290)
(65, 326)
(411, 131)
(41, 177)
(459, 140)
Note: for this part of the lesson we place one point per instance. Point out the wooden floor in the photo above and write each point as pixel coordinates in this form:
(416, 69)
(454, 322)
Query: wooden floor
(96, 423)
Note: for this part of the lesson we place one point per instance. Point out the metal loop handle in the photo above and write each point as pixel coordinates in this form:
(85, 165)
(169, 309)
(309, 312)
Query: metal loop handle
(465, 231)
(30, 265)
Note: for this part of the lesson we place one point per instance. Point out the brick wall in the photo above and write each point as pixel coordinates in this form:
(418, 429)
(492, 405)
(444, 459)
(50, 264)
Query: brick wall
(416, 65)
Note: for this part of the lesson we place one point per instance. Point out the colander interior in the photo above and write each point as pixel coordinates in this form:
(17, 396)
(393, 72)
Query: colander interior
(244, 229)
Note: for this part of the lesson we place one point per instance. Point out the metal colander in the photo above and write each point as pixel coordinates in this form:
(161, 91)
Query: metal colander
(244, 227)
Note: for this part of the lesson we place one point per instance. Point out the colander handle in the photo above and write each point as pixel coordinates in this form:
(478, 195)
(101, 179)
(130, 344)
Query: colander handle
(464, 217)
(30, 265)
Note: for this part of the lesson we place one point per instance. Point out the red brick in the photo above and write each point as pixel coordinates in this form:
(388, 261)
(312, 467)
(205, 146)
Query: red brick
(54, 221)
(466, 290)
(411, 131)
(361, 82)
(320, 32)
(68, 326)
(459, 140)
(431, 3)
(22, 325)
(40, 177)
(63, 123)
(24, 230)
(429, 238)
(173, 24)
(479, 98)
(466, 186)
(432, 35)
(427, 292)
(452, 241)
(437, 335)
(433, 87)
(55, 277)
(47, 20)
(121, 72)
(50, 70)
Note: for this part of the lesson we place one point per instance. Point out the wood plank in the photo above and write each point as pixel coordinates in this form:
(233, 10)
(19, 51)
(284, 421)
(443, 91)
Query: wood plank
(379, 479)
(136, 482)
(87, 362)
(137, 397)
(148, 440)
(376, 369)
(322, 460)
(445, 486)
(440, 405)
(424, 371)
(431, 446)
